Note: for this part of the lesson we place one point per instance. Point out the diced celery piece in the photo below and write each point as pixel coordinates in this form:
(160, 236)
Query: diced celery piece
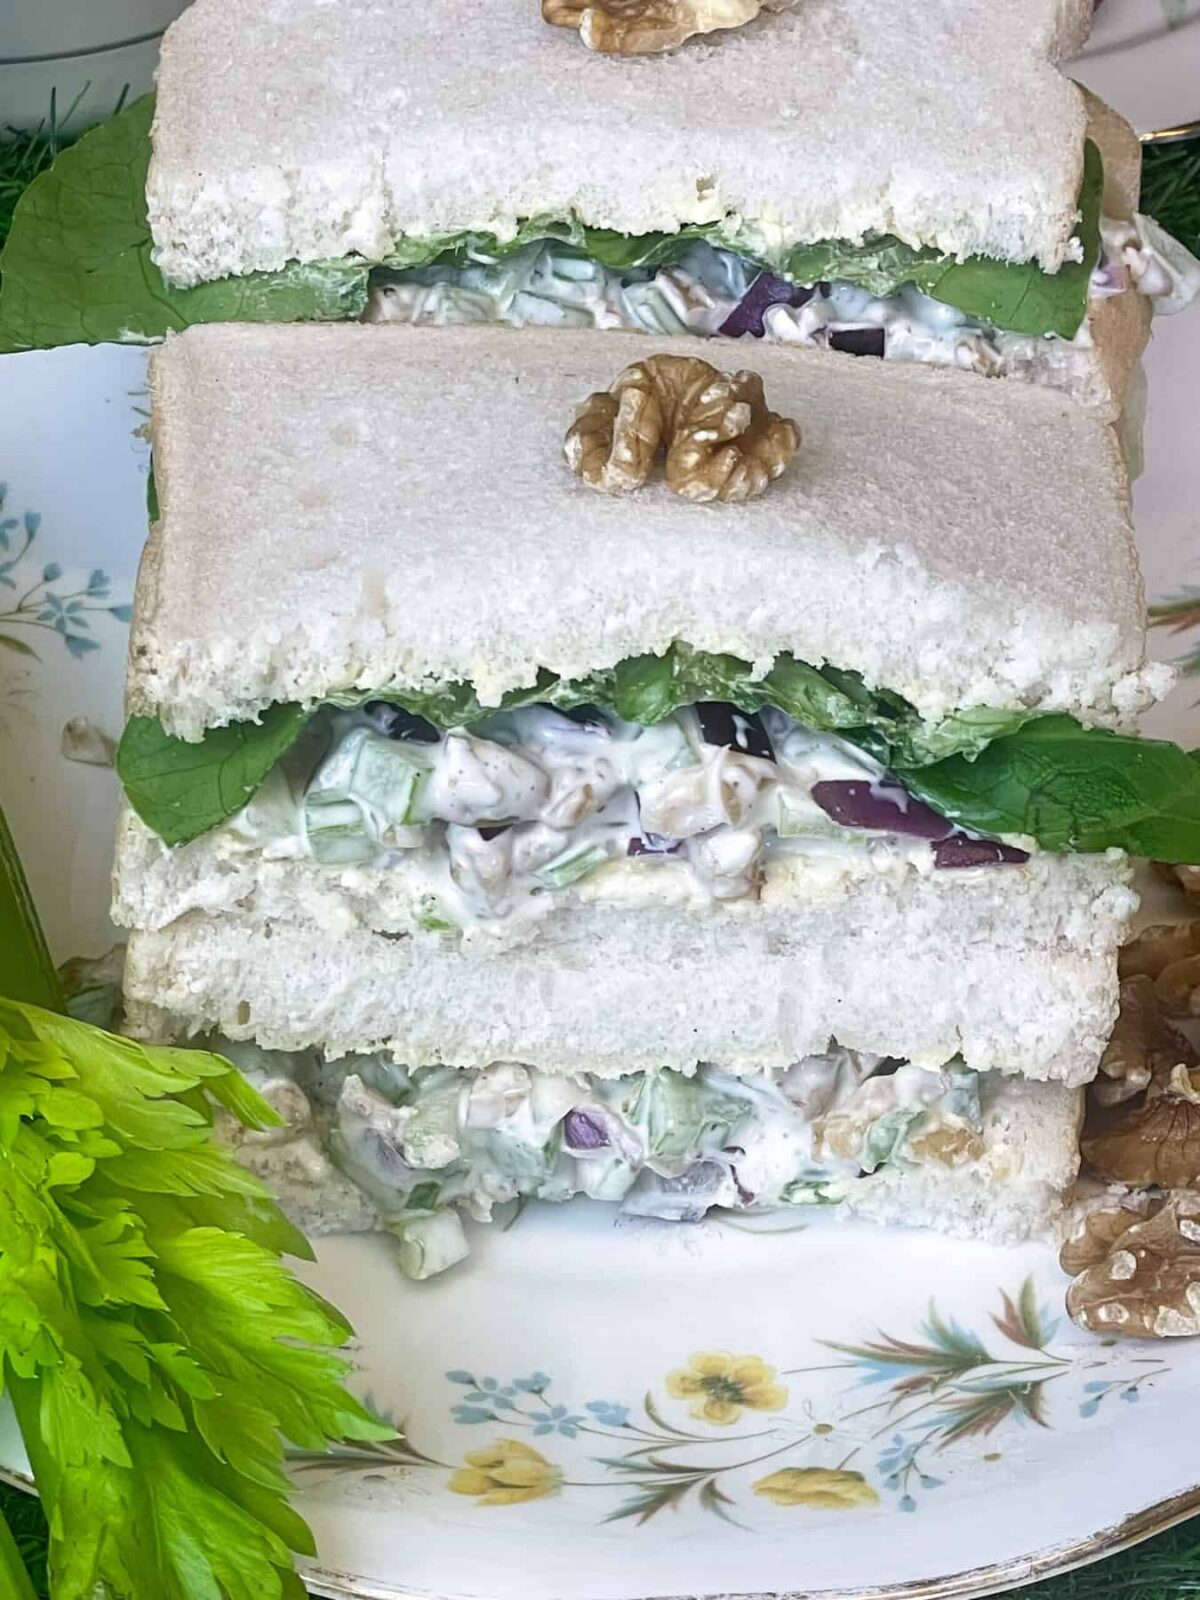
(431, 1138)
(579, 269)
(572, 865)
(799, 819)
(381, 775)
(813, 1192)
(429, 1244)
(337, 835)
(331, 781)
(424, 1197)
(386, 775)
(429, 918)
(886, 1136)
(682, 1119)
(540, 311)
(962, 1097)
(417, 811)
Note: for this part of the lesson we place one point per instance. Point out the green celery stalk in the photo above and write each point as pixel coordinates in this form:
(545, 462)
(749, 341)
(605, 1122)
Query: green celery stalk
(26, 970)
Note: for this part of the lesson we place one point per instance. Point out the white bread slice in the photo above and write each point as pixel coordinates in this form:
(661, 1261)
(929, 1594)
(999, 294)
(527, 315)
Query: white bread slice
(1013, 967)
(349, 506)
(296, 129)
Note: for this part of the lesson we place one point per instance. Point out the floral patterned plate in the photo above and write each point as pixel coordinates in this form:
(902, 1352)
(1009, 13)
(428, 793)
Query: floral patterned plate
(600, 1412)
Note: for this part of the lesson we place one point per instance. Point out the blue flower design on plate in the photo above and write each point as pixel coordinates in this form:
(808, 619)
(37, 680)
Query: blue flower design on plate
(42, 604)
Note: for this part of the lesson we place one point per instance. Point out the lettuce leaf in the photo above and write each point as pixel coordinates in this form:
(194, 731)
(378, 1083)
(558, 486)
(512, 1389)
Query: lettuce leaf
(77, 268)
(189, 788)
(77, 263)
(183, 789)
(992, 771)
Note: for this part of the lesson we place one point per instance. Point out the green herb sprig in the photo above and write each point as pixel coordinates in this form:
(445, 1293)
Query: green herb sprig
(155, 1347)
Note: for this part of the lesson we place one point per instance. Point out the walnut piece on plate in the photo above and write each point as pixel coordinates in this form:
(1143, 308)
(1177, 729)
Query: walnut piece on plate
(1142, 1048)
(1154, 1141)
(721, 441)
(1160, 946)
(1169, 954)
(1185, 877)
(1143, 1118)
(1137, 1274)
(648, 27)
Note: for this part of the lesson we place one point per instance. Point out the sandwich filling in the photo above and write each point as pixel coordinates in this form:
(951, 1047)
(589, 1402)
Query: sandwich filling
(501, 820)
(569, 776)
(711, 291)
(419, 1147)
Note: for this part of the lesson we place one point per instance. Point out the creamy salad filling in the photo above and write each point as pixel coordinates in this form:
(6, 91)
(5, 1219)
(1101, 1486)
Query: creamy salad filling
(424, 1146)
(710, 291)
(500, 820)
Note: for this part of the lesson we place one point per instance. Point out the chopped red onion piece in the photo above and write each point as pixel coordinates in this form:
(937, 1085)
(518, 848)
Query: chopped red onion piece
(883, 806)
(582, 1131)
(396, 723)
(961, 851)
(858, 341)
(653, 844)
(725, 725)
(766, 291)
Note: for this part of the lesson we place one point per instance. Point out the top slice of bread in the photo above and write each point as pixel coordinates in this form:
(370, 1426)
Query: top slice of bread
(356, 506)
(297, 129)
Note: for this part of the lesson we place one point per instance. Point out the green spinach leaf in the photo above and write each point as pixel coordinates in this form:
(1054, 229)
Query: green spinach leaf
(994, 771)
(1015, 295)
(182, 790)
(1073, 788)
(77, 268)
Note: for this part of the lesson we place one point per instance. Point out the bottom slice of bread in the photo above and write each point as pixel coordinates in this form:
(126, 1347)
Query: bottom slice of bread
(1011, 968)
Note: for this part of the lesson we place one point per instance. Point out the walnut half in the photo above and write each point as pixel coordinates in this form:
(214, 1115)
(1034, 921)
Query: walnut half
(648, 27)
(721, 441)
(1142, 1046)
(1168, 953)
(1143, 1117)
(1137, 1275)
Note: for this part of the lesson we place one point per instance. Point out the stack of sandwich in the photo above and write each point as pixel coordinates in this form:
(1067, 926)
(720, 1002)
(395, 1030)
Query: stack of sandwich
(536, 819)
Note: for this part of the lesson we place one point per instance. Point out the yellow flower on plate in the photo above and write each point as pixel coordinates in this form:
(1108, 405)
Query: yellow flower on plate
(720, 1385)
(506, 1472)
(823, 1488)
